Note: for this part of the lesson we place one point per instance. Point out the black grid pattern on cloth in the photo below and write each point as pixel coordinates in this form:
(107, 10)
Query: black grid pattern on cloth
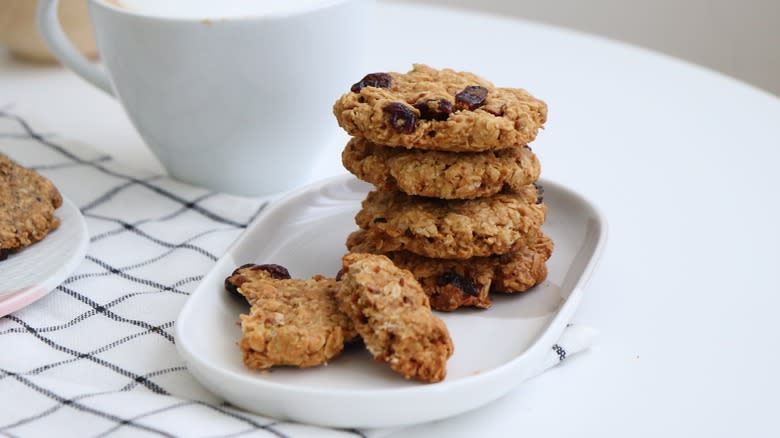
(96, 357)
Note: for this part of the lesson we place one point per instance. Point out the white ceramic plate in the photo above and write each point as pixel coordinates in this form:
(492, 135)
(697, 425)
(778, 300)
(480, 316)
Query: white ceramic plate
(495, 349)
(32, 273)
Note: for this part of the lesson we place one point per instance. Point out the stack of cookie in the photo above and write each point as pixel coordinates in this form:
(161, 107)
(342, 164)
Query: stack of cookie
(457, 202)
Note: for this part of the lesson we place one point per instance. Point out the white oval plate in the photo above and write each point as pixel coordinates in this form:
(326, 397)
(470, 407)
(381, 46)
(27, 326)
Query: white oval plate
(495, 349)
(32, 273)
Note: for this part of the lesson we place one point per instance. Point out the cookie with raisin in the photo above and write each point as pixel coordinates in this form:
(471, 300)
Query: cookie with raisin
(445, 110)
(291, 322)
(452, 284)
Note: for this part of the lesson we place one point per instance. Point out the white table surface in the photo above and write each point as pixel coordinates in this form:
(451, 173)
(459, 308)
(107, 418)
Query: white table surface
(684, 164)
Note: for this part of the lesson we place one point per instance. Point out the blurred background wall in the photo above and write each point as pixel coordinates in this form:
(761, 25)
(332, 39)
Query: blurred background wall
(740, 38)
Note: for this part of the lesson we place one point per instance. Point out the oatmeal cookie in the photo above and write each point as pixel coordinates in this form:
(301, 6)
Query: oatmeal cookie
(445, 175)
(27, 204)
(455, 229)
(290, 322)
(439, 109)
(394, 318)
(451, 284)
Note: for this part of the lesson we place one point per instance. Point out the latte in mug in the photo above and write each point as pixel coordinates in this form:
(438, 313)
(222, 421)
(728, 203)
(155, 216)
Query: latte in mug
(231, 95)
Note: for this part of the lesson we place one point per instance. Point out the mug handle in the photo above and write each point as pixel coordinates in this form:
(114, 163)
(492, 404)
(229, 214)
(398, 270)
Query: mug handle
(49, 27)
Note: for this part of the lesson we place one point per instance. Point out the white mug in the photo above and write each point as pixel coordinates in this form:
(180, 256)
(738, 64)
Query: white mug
(231, 95)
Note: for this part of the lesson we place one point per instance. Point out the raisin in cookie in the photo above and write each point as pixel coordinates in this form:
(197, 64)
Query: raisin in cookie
(393, 316)
(27, 204)
(439, 109)
(455, 229)
(451, 284)
(445, 175)
(290, 322)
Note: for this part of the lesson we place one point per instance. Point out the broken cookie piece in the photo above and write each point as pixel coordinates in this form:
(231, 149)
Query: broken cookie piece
(290, 322)
(393, 316)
